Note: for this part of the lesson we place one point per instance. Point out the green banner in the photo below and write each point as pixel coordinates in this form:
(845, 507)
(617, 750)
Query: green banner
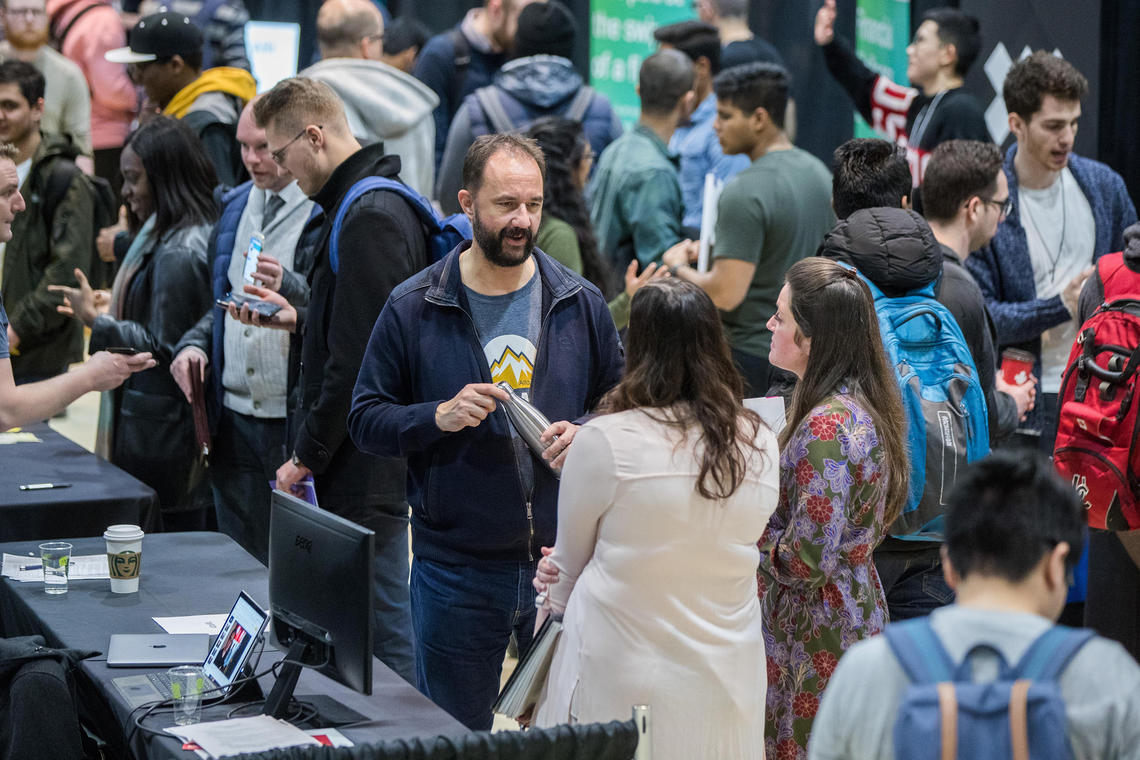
(882, 32)
(621, 37)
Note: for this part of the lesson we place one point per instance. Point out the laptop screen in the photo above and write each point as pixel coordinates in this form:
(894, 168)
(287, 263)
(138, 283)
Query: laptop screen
(235, 644)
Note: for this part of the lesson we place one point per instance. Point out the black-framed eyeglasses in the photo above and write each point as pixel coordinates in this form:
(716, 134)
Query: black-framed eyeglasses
(378, 37)
(1005, 206)
(278, 155)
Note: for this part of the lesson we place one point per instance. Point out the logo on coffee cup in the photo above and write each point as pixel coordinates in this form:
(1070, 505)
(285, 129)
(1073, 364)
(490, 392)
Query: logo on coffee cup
(124, 565)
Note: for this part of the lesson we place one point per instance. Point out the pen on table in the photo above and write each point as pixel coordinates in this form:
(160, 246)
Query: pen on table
(43, 486)
(31, 567)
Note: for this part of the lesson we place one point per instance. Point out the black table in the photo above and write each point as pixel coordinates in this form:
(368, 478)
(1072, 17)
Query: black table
(189, 574)
(100, 494)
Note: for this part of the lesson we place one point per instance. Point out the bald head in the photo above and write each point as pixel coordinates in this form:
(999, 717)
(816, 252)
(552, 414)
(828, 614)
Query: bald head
(350, 29)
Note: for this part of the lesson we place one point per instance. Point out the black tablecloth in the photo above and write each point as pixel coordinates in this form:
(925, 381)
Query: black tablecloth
(100, 493)
(189, 574)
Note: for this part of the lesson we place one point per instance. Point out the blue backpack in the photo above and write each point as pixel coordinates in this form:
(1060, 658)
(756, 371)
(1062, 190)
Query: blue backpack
(945, 715)
(442, 234)
(945, 406)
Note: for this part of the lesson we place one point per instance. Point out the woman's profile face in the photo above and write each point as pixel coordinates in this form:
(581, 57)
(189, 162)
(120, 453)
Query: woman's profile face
(136, 189)
(582, 173)
(785, 352)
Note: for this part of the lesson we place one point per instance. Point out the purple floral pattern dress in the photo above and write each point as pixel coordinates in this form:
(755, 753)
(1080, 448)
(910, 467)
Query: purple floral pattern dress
(819, 589)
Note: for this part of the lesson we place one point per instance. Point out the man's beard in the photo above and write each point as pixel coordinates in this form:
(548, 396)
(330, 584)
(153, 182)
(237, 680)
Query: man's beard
(492, 244)
(33, 40)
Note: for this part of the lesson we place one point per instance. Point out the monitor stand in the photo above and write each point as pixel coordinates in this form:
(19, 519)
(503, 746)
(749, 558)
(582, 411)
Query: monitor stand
(279, 703)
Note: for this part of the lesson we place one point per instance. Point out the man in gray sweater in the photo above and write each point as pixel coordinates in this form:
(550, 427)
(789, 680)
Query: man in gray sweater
(247, 391)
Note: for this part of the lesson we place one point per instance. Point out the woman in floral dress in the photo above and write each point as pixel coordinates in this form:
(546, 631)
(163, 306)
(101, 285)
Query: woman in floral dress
(843, 479)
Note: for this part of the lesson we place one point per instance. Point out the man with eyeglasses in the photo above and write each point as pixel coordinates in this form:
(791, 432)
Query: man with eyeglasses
(935, 107)
(67, 104)
(164, 57)
(965, 196)
(383, 104)
(380, 244)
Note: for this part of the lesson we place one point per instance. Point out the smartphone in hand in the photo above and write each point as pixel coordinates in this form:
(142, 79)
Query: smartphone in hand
(264, 308)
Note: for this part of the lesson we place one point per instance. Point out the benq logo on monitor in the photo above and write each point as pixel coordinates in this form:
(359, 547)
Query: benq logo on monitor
(304, 544)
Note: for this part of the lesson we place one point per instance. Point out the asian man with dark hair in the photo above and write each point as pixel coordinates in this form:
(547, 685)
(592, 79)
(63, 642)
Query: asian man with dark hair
(1014, 533)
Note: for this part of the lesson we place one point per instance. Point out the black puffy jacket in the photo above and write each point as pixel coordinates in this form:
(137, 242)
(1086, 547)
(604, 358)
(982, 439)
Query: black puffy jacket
(896, 249)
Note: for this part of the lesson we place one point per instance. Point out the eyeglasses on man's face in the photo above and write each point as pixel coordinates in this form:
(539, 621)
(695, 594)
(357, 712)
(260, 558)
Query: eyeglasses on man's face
(1004, 206)
(279, 154)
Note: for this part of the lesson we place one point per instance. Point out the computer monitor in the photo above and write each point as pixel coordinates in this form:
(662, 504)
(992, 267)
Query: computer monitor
(320, 597)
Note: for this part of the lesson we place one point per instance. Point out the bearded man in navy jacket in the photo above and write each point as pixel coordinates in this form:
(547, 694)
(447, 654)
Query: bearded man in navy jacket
(494, 309)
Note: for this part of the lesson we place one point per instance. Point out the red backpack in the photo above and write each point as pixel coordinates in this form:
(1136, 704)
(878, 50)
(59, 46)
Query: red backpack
(1099, 417)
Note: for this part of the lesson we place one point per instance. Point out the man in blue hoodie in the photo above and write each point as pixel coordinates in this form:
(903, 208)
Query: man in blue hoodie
(464, 58)
(540, 81)
(495, 309)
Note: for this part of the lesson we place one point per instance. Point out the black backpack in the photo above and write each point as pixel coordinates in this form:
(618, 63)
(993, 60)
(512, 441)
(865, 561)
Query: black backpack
(106, 212)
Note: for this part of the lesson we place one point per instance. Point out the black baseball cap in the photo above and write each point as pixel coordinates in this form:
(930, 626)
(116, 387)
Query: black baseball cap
(158, 36)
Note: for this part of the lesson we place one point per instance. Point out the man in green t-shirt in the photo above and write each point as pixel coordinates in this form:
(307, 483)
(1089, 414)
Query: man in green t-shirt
(769, 216)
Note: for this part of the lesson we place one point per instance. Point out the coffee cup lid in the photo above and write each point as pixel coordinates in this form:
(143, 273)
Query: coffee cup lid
(123, 533)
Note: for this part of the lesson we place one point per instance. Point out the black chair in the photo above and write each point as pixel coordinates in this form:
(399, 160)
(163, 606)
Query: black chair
(38, 714)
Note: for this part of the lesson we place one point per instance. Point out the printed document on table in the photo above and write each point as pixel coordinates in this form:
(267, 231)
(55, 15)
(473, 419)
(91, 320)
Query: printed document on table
(211, 624)
(238, 735)
(328, 737)
(770, 409)
(29, 569)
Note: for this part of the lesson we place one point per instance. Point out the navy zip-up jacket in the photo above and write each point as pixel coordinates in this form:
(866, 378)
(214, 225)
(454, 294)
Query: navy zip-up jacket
(1004, 271)
(464, 487)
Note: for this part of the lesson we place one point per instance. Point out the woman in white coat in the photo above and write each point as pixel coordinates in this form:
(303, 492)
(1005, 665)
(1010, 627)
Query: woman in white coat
(662, 502)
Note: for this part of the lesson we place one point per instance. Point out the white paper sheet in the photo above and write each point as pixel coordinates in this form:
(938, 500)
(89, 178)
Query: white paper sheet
(709, 199)
(211, 624)
(329, 737)
(770, 409)
(238, 735)
(82, 568)
(15, 436)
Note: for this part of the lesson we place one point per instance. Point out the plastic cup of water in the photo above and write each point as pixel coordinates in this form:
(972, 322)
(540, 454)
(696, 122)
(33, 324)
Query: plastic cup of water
(55, 556)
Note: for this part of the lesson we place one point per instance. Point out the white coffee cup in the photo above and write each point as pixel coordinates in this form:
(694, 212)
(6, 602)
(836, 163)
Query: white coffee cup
(124, 557)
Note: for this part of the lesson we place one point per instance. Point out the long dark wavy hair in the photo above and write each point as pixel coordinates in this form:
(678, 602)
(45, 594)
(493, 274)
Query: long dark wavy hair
(178, 172)
(564, 143)
(677, 357)
(834, 308)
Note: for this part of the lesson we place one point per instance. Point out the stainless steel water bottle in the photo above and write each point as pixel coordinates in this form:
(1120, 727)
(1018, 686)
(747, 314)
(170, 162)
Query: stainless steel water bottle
(528, 422)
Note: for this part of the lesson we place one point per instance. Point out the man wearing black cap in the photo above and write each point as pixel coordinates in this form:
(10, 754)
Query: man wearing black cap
(541, 81)
(164, 56)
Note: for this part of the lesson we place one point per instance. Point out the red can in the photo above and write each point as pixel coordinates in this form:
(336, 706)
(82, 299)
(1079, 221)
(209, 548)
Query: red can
(1016, 366)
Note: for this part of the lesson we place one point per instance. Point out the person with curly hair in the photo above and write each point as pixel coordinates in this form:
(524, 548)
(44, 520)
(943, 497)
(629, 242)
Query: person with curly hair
(843, 480)
(566, 233)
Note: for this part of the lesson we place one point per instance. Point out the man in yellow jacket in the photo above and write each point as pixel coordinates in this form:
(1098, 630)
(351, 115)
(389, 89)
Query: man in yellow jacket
(164, 56)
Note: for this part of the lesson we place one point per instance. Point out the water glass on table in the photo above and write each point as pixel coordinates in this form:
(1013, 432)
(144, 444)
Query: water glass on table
(186, 684)
(55, 556)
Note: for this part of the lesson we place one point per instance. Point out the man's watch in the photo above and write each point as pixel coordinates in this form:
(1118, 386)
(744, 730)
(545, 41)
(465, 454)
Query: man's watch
(297, 460)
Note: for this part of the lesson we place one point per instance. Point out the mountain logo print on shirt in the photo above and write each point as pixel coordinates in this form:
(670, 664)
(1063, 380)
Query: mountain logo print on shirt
(511, 358)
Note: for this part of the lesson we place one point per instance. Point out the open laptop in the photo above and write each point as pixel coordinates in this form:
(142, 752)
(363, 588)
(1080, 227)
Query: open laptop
(222, 664)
